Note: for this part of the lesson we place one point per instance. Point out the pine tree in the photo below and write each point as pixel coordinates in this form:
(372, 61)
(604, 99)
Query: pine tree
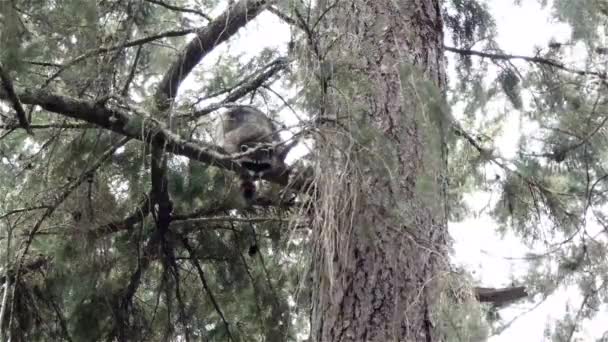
(121, 218)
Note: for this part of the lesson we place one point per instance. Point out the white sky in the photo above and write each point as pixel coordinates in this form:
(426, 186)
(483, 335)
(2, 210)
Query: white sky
(477, 246)
(487, 255)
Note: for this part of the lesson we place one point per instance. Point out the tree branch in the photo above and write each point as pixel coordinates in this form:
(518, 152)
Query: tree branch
(142, 127)
(179, 9)
(102, 50)
(137, 126)
(270, 69)
(7, 84)
(537, 60)
(500, 296)
(217, 32)
(248, 86)
(125, 88)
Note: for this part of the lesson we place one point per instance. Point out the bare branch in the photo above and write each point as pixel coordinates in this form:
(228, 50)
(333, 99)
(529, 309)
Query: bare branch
(234, 219)
(500, 296)
(179, 9)
(537, 60)
(263, 74)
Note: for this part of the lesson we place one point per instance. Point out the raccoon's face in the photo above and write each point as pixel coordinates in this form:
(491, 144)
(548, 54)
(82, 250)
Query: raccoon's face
(259, 160)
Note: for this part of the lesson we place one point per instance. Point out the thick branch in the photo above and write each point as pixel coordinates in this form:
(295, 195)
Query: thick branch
(218, 31)
(501, 296)
(136, 126)
(160, 190)
(145, 129)
(248, 86)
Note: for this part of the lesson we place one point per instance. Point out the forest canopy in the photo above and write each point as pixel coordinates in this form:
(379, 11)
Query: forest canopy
(122, 216)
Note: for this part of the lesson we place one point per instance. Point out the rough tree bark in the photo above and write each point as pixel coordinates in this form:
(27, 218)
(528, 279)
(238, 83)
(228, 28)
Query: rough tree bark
(380, 220)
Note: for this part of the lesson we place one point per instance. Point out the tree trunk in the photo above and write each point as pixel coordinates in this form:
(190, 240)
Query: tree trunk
(380, 215)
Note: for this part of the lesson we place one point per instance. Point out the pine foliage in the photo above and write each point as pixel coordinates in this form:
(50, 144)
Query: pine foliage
(81, 256)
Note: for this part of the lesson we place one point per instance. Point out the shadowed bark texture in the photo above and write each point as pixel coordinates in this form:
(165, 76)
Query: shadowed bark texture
(380, 217)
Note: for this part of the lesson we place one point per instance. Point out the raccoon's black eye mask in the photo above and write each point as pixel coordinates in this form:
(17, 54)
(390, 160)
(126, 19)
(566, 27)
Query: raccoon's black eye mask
(256, 165)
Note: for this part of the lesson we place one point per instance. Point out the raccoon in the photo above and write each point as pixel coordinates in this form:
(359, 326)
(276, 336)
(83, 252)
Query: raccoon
(246, 129)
